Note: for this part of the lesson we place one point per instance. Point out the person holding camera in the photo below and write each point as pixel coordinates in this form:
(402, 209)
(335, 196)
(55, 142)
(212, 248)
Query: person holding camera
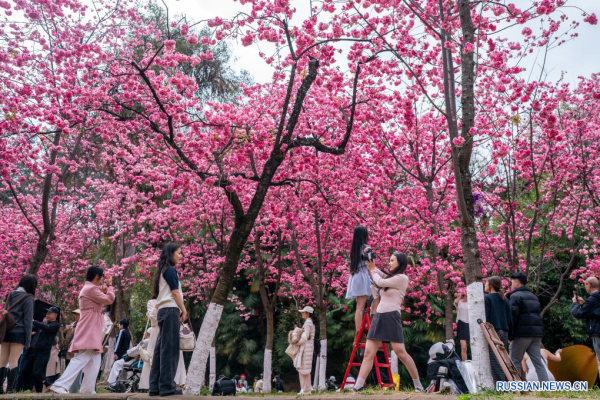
(359, 283)
(87, 341)
(387, 322)
(36, 357)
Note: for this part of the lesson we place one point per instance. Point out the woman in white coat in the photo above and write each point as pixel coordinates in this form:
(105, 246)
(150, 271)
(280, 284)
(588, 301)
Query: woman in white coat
(304, 358)
(180, 375)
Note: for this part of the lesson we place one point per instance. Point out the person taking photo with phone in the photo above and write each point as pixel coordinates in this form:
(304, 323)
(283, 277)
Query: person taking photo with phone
(387, 322)
(96, 293)
(589, 310)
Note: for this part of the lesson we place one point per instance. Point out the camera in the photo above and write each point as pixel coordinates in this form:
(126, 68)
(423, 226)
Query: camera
(369, 255)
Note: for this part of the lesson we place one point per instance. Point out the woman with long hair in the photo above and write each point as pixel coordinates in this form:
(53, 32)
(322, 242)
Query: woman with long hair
(180, 375)
(387, 322)
(19, 304)
(359, 283)
(462, 323)
(171, 311)
(304, 358)
(497, 313)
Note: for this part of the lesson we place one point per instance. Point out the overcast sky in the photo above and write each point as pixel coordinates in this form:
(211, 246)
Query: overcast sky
(579, 57)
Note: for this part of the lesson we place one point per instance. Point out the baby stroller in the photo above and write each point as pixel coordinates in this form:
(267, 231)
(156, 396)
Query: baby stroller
(133, 372)
(443, 369)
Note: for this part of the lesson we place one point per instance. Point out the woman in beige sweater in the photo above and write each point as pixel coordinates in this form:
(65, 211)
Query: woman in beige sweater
(387, 325)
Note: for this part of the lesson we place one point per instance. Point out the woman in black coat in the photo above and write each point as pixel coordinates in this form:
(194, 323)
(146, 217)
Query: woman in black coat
(19, 303)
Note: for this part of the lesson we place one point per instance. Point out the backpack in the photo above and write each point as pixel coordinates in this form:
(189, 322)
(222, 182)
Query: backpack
(224, 387)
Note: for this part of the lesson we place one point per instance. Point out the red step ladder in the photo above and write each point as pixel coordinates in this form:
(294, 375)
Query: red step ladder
(364, 327)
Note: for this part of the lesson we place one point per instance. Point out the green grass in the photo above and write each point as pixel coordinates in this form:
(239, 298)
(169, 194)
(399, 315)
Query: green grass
(494, 395)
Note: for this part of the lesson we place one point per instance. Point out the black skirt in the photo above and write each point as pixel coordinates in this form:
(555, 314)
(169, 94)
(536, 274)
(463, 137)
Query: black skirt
(386, 327)
(14, 337)
(462, 331)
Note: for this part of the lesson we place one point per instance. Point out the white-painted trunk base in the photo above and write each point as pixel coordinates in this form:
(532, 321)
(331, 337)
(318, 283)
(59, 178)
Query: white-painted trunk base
(212, 374)
(108, 358)
(479, 346)
(394, 362)
(323, 365)
(267, 369)
(197, 368)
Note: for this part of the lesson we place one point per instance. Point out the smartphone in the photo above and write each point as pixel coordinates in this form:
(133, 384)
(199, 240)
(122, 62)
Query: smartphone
(575, 294)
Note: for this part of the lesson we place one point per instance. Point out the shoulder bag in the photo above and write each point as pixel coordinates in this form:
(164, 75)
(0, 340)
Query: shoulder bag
(7, 322)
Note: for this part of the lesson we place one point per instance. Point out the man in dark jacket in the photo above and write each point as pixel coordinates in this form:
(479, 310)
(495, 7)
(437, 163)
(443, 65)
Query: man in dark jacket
(527, 328)
(123, 341)
(590, 311)
(38, 355)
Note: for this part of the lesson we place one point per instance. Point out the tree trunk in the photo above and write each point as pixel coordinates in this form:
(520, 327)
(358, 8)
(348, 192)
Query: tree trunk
(268, 360)
(267, 369)
(448, 315)
(213, 367)
(461, 158)
(107, 360)
(244, 222)
(322, 371)
(41, 252)
(197, 369)
(394, 362)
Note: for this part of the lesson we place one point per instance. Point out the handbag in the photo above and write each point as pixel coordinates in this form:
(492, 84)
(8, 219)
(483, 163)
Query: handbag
(294, 339)
(7, 322)
(145, 355)
(187, 339)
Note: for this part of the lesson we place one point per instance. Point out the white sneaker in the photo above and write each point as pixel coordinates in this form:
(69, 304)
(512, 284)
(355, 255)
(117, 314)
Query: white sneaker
(301, 392)
(59, 390)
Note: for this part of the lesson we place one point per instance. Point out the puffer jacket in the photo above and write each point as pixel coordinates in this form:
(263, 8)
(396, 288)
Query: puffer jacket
(303, 360)
(525, 313)
(590, 311)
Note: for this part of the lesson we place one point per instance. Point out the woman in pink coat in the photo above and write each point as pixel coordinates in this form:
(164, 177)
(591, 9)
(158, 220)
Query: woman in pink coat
(87, 342)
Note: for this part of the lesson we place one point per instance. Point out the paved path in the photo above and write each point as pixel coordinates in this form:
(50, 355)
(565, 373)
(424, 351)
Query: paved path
(325, 396)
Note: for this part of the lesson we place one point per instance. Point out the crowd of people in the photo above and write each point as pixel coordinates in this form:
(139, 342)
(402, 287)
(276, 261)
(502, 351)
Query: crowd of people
(516, 317)
(31, 350)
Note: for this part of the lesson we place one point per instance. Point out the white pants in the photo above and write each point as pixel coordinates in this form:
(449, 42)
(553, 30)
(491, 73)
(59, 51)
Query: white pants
(88, 362)
(116, 370)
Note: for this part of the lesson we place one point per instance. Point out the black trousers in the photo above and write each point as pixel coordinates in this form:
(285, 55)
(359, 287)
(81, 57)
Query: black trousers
(166, 352)
(33, 372)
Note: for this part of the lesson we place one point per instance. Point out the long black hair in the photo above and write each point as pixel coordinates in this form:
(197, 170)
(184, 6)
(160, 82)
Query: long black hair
(29, 283)
(360, 238)
(402, 265)
(165, 261)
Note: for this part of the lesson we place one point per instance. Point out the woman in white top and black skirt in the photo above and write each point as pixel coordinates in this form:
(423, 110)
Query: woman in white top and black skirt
(462, 323)
(387, 323)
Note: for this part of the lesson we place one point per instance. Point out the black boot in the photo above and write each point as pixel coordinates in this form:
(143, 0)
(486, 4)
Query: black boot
(3, 373)
(12, 377)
